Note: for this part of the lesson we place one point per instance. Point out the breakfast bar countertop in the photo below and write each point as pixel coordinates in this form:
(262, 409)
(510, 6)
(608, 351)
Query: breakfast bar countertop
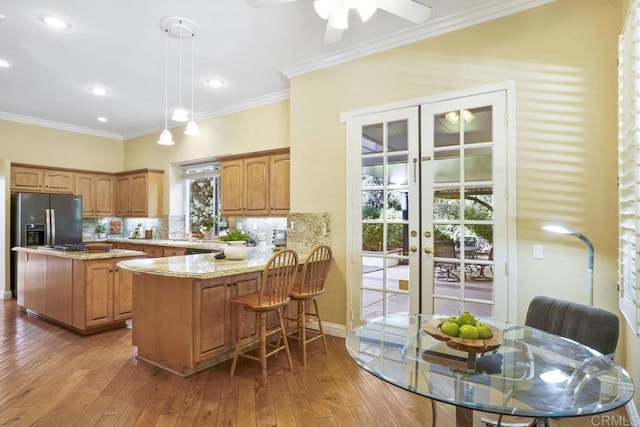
(201, 266)
(82, 255)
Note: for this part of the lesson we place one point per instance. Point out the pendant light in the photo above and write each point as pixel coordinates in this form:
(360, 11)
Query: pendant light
(180, 114)
(192, 126)
(165, 137)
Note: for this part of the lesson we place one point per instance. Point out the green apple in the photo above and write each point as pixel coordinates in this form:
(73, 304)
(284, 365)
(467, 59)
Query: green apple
(469, 332)
(466, 318)
(450, 328)
(484, 330)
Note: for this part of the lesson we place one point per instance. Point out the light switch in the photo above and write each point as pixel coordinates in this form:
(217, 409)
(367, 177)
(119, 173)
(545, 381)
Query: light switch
(538, 251)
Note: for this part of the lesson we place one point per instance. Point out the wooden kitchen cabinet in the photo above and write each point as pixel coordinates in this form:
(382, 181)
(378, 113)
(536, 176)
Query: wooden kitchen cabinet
(211, 318)
(279, 190)
(58, 181)
(26, 179)
(98, 194)
(153, 251)
(255, 184)
(139, 193)
(86, 295)
(173, 251)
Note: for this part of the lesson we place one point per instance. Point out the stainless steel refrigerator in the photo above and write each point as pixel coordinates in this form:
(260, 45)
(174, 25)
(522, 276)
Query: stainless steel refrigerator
(39, 219)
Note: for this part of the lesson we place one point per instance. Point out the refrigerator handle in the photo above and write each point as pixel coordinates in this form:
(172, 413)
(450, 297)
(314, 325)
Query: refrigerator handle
(47, 231)
(53, 227)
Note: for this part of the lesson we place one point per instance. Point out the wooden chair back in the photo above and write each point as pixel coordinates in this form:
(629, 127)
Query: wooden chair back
(277, 278)
(315, 270)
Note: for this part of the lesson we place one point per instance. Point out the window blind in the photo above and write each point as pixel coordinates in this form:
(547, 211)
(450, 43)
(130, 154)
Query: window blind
(629, 168)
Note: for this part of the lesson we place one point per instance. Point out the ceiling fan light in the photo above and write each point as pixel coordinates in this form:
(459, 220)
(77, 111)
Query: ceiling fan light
(180, 115)
(325, 7)
(366, 9)
(192, 129)
(468, 115)
(340, 17)
(166, 138)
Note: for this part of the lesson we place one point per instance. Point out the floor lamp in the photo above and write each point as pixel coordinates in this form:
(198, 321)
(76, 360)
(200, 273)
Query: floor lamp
(563, 229)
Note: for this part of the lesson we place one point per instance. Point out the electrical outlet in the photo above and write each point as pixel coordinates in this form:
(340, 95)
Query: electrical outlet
(323, 228)
(538, 251)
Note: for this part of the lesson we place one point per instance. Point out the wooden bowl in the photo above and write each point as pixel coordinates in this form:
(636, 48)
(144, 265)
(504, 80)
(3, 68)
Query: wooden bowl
(432, 327)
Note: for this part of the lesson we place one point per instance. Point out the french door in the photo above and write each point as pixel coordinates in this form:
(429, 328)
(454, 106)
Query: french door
(428, 210)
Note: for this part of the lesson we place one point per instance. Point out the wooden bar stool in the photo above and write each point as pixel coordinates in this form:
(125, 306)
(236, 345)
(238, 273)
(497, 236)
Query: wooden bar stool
(314, 274)
(273, 294)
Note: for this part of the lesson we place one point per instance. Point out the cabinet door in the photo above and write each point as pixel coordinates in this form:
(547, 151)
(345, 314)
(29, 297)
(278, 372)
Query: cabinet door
(279, 190)
(26, 179)
(105, 195)
(33, 286)
(211, 318)
(122, 294)
(59, 293)
(256, 186)
(231, 188)
(139, 202)
(99, 293)
(242, 284)
(85, 187)
(58, 181)
(153, 251)
(173, 251)
(123, 201)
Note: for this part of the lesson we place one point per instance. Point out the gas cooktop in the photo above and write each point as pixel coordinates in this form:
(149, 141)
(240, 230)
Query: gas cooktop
(70, 247)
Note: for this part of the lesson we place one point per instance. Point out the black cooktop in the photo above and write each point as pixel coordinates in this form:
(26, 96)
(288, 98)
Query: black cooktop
(71, 247)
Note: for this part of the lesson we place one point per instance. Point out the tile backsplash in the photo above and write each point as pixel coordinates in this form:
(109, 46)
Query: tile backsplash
(306, 230)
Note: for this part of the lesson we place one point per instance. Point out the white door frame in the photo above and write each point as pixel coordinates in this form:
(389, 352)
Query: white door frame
(353, 202)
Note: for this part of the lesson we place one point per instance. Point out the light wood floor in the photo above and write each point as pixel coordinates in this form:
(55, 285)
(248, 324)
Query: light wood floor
(50, 376)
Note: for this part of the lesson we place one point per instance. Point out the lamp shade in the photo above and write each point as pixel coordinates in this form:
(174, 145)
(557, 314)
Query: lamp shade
(180, 115)
(192, 129)
(166, 138)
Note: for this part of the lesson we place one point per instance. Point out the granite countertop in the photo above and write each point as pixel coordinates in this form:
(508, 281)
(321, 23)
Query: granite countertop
(196, 244)
(83, 255)
(201, 266)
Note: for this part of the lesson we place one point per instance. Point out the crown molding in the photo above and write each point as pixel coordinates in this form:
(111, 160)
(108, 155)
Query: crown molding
(482, 13)
(58, 125)
(229, 109)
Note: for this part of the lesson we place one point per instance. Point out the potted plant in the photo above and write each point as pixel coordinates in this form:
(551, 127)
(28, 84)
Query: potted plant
(101, 230)
(236, 248)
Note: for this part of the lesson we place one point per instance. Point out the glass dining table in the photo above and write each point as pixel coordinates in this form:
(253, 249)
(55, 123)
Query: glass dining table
(530, 374)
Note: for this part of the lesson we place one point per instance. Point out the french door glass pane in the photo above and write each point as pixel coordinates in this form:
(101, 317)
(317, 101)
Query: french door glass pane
(397, 136)
(372, 139)
(478, 164)
(477, 127)
(446, 166)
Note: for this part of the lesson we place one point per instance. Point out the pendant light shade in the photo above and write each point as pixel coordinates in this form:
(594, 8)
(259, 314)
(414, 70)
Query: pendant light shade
(192, 126)
(180, 115)
(165, 137)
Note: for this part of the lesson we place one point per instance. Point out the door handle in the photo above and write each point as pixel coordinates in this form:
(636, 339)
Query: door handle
(413, 248)
(428, 250)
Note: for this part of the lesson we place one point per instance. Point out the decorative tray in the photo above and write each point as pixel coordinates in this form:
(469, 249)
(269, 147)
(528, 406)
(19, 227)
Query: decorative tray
(432, 327)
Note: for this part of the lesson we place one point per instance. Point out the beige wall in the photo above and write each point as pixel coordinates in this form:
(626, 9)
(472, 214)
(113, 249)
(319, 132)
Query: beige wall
(38, 145)
(261, 128)
(565, 74)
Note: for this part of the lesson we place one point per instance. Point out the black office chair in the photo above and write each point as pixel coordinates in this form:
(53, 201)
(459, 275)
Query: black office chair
(591, 326)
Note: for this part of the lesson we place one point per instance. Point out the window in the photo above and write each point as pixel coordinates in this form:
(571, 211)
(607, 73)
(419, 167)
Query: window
(202, 197)
(629, 167)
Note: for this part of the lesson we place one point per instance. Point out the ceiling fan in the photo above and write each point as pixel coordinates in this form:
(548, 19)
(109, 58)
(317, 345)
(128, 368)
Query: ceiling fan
(336, 12)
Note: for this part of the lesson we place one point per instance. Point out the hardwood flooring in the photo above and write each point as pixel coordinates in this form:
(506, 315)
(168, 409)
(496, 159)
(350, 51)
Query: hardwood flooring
(50, 376)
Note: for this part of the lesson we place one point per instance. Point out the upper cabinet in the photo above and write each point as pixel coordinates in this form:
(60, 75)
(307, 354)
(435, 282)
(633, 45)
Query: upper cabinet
(139, 193)
(34, 179)
(98, 194)
(255, 184)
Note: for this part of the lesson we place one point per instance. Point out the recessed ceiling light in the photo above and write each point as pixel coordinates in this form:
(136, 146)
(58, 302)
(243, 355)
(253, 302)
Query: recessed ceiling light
(103, 119)
(2, 16)
(215, 82)
(97, 90)
(55, 22)
(4, 63)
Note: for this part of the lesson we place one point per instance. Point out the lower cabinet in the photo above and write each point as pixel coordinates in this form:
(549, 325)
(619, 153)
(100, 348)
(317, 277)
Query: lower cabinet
(86, 295)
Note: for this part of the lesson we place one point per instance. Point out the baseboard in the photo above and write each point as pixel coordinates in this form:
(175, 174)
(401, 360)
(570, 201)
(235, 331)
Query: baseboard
(632, 413)
(333, 329)
(7, 295)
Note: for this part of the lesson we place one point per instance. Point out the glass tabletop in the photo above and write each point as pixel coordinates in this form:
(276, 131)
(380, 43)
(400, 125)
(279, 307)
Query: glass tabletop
(532, 373)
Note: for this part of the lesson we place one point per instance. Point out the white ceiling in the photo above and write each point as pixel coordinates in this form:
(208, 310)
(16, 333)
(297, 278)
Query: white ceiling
(119, 44)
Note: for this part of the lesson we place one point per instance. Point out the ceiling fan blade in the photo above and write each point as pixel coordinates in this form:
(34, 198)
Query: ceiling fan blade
(263, 3)
(332, 34)
(407, 9)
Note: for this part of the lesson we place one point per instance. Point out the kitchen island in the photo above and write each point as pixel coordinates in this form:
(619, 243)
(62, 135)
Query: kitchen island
(82, 290)
(183, 320)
